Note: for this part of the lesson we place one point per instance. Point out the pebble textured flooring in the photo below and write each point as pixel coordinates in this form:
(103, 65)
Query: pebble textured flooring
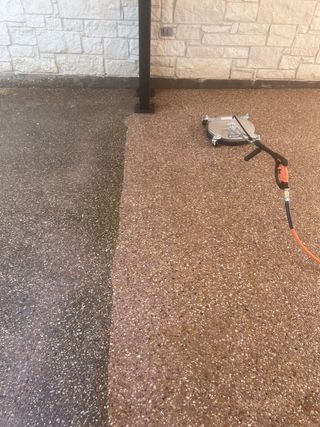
(216, 315)
(61, 169)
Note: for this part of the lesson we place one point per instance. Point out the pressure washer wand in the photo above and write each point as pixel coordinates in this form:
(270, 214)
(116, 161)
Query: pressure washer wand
(282, 180)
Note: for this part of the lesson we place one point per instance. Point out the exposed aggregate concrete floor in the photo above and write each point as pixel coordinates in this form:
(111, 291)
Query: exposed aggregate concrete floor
(61, 169)
(216, 318)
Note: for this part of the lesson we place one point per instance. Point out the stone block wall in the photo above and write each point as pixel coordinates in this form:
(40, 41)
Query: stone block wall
(211, 39)
(237, 39)
(69, 37)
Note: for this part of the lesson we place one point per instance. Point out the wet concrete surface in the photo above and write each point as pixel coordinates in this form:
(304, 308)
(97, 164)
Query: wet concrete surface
(215, 318)
(61, 168)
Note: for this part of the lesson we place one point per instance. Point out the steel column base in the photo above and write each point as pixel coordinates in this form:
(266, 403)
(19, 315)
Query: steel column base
(148, 110)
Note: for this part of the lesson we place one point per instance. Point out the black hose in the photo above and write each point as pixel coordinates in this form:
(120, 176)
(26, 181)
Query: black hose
(289, 217)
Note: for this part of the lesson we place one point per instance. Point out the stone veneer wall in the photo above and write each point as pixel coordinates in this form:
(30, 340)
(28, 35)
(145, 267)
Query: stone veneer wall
(212, 39)
(73, 37)
(238, 39)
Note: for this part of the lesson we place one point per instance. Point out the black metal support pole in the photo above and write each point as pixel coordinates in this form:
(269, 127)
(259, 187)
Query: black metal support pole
(144, 105)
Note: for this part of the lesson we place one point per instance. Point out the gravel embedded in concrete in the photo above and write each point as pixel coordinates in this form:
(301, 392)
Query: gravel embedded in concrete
(61, 167)
(216, 317)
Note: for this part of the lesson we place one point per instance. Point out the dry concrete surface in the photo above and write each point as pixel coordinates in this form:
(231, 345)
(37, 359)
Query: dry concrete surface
(216, 318)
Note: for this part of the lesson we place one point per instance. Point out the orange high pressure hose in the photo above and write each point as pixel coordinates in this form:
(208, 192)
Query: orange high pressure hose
(303, 247)
(284, 182)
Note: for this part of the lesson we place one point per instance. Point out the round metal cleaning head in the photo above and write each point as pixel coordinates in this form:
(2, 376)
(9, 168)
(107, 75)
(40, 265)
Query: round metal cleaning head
(227, 130)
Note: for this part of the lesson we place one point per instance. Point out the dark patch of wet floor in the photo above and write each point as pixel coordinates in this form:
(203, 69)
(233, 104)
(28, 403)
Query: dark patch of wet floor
(61, 167)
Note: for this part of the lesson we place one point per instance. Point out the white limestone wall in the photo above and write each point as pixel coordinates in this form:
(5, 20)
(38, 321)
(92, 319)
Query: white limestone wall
(72, 37)
(212, 39)
(238, 39)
